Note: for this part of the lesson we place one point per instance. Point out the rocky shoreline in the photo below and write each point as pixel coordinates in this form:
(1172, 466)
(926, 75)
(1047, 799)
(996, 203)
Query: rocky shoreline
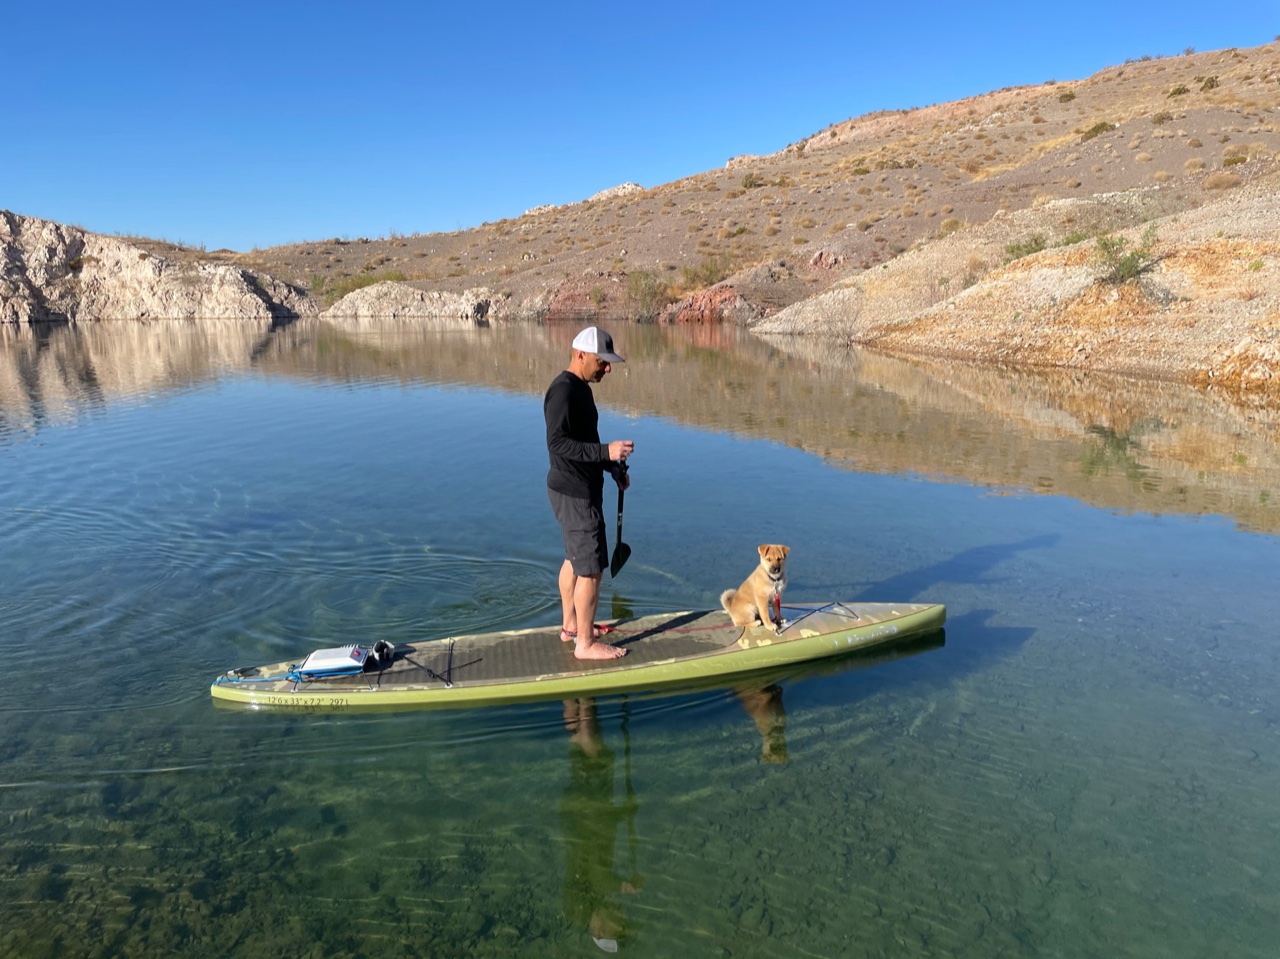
(1203, 305)
(1207, 311)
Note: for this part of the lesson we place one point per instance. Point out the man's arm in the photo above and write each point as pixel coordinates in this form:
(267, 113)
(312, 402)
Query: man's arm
(559, 442)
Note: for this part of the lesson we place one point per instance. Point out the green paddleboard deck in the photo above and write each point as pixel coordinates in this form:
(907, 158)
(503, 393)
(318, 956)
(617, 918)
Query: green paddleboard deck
(663, 650)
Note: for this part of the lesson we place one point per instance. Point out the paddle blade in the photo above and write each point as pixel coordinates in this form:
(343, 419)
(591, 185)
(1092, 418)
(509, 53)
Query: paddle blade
(621, 553)
(620, 549)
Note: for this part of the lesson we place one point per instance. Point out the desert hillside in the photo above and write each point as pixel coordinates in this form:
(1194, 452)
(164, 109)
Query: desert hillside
(1121, 221)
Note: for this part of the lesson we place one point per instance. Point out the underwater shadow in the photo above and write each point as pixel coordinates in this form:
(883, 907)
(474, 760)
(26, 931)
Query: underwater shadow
(971, 567)
(972, 642)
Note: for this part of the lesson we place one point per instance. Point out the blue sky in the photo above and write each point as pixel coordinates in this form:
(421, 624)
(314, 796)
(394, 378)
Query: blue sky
(253, 124)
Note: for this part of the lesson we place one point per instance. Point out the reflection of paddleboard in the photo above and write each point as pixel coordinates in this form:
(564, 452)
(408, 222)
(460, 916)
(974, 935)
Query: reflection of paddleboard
(664, 649)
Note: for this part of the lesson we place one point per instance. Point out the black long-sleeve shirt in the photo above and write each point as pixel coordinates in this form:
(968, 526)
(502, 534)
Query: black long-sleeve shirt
(578, 458)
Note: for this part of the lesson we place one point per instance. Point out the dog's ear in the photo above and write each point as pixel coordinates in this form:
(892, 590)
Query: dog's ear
(761, 549)
(785, 549)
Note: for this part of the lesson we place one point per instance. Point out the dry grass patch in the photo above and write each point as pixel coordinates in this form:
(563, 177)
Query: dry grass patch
(1221, 181)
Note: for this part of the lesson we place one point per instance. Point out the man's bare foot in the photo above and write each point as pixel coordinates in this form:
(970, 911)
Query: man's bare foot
(594, 650)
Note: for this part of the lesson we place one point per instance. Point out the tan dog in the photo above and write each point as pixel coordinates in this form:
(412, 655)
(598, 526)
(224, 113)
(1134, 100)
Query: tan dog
(761, 592)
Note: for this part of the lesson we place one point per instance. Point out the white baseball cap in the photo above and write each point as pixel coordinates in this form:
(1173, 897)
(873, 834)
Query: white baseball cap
(597, 341)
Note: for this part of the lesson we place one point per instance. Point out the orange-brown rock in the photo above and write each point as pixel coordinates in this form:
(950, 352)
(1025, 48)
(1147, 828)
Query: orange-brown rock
(720, 304)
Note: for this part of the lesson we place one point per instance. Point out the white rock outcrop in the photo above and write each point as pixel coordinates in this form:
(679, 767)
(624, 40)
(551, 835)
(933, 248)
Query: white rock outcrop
(52, 272)
(622, 189)
(392, 300)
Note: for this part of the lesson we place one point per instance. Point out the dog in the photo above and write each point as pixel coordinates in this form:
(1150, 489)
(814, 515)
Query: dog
(760, 593)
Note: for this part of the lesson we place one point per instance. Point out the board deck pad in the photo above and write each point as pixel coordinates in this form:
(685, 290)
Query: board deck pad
(662, 649)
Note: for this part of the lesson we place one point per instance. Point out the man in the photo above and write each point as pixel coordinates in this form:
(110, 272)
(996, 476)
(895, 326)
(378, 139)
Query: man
(575, 486)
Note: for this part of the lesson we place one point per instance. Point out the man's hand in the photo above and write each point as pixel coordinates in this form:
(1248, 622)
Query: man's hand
(619, 450)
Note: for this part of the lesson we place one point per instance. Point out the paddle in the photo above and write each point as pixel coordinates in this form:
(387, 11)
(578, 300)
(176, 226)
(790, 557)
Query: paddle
(621, 551)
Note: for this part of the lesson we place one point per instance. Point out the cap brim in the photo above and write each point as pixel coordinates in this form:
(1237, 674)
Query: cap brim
(611, 357)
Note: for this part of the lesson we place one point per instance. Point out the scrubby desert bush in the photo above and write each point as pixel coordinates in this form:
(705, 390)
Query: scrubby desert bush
(1021, 248)
(1119, 263)
(709, 272)
(1074, 237)
(1161, 118)
(1066, 96)
(648, 292)
(1097, 129)
(974, 269)
(341, 287)
(1234, 160)
(1180, 90)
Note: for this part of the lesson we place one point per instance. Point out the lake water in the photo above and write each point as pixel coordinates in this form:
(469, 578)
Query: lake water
(1087, 764)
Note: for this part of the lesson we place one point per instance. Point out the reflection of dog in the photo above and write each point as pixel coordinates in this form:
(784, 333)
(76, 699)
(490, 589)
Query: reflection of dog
(756, 600)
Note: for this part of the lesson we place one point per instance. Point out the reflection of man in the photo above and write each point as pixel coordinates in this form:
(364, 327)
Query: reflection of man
(765, 707)
(589, 819)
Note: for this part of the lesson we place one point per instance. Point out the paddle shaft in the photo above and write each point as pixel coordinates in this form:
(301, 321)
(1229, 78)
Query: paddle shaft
(620, 549)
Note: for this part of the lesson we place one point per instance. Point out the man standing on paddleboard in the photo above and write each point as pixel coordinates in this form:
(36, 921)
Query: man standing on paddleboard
(575, 485)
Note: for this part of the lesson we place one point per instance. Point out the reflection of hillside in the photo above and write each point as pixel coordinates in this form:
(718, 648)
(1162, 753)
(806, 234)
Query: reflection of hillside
(1110, 441)
(1118, 442)
(51, 373)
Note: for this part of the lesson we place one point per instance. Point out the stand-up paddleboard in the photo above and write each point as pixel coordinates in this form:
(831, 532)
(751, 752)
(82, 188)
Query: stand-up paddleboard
(664, 649)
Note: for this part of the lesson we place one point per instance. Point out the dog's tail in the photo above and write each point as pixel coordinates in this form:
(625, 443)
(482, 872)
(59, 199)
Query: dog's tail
(727, 597)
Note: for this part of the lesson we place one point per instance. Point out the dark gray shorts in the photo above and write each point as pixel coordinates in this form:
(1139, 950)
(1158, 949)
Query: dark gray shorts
(582, 525)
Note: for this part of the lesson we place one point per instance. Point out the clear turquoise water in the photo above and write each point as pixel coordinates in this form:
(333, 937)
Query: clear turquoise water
(1087, 765)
